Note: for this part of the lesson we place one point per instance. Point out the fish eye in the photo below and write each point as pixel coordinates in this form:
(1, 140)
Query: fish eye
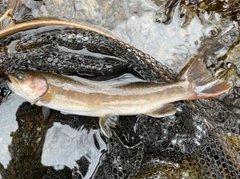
(20, 75)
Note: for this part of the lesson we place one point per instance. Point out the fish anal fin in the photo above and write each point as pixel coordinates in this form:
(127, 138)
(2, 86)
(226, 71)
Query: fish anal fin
(106, 123)
(165, 110)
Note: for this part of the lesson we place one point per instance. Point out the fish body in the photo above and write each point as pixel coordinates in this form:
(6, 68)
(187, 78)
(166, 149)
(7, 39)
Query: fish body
(94, 98)
(103, 99)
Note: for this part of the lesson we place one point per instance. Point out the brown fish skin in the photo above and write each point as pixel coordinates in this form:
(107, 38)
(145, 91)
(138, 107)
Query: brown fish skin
(95, 99)
(92, 98)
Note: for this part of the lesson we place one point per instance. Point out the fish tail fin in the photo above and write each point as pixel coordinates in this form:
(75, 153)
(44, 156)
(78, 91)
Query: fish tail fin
(203, 84)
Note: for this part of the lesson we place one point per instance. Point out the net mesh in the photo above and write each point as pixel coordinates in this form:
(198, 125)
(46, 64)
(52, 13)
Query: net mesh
(202, 140)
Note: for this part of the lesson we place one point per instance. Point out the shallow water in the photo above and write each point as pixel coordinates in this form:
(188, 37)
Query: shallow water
(172, 44)
(8, 123)
(64, 146)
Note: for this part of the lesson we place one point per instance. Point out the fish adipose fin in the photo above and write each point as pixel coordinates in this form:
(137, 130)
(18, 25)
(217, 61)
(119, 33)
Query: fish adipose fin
(106, 122)
(165, 110)
(203, 84)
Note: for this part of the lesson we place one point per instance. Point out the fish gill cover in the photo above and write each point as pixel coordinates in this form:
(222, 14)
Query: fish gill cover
(202, 140)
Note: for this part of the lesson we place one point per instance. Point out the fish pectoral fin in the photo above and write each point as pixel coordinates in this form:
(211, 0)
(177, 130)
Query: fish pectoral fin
(106, 123)
(35, 101)
(45, 98)
(46, 112)
(164, 110)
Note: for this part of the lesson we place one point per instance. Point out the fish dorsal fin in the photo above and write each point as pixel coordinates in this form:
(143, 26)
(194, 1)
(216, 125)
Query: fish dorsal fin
(164, 110)
(118, 81)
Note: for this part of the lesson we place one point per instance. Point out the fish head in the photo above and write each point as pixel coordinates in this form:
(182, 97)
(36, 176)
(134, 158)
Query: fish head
(29, 85)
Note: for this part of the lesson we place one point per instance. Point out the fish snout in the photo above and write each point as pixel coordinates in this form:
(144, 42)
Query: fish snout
(8, 79)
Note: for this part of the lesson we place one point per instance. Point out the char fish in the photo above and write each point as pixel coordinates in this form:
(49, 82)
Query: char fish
(105, 99)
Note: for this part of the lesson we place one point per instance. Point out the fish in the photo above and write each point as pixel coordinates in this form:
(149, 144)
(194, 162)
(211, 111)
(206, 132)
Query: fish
(110, 98)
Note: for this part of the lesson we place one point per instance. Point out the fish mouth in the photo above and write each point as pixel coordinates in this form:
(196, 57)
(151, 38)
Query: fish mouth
(8, 79)
(11, 78)
(11, 82)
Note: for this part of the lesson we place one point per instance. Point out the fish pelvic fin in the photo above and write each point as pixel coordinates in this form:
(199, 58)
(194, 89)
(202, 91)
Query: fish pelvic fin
(162, 111)
(46, 112)
(203, 84)
(106, 123)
